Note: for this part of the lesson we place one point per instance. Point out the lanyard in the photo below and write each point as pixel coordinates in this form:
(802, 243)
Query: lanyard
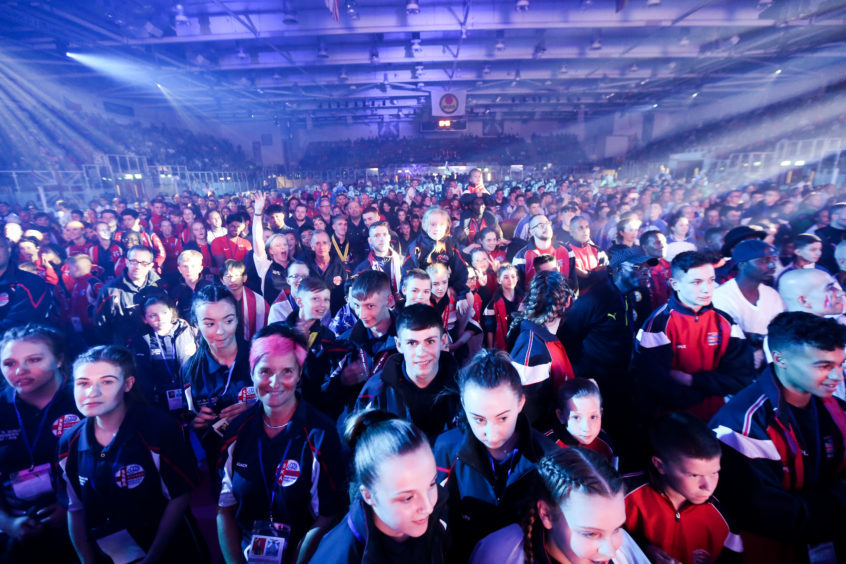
(30, 446)
(270, 489)
(228, 380)
(229, 247)
(512, 456)
(167, 360)
(342, 256)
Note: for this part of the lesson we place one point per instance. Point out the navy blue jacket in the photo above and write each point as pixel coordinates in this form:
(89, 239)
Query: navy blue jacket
(465, 467)
(352, 540)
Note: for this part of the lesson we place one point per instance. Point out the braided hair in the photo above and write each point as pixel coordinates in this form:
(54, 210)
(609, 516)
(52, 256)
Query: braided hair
(548, 296)
(563, 472)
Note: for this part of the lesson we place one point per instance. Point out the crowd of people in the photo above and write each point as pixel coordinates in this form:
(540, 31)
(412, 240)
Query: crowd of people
(567, 371)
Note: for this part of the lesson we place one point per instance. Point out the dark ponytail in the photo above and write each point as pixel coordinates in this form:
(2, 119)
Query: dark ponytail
(376, 436)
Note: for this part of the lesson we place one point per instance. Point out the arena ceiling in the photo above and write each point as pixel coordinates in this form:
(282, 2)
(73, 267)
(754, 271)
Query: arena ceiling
(516, 59)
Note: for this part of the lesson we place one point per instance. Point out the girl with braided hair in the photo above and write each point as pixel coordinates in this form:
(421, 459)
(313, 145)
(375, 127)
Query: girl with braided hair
(577, 517)
(536, 351)
(488, 465)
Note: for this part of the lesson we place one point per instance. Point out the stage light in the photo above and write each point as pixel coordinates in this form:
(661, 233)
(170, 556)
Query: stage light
(596, 44)
(799, 163)
(322, 53)
(786, 163)
(179, 17)
(412, 7)
(778, 71)
(521, 5)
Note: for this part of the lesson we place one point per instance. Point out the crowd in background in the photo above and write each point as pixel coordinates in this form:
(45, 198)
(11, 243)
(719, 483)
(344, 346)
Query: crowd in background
(427, 373)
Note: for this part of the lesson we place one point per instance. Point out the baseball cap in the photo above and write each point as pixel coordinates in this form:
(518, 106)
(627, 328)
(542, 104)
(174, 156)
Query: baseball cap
(752, 249)
(633, 255)
(738, 234)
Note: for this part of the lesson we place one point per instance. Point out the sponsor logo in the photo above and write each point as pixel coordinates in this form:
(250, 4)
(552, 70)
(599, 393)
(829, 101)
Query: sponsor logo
(448, 103)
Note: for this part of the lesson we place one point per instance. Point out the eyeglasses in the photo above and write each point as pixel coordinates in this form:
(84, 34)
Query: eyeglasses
(134, 262)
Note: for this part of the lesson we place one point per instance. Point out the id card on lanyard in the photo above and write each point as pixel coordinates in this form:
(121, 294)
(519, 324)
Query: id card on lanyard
(173, 395)
(270, 538)
(31, 483)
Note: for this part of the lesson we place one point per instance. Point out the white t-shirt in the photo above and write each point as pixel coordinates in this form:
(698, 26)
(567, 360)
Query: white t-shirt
(752, 318)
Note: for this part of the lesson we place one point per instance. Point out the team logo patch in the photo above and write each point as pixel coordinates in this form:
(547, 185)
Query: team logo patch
(712, 339)
(287, 472)
(63, 423)
(336, 281)
(4, 299)
(247, 395)
(130, 476)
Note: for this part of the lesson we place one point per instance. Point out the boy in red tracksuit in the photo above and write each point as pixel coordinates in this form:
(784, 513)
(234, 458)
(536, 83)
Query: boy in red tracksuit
(689, 355)
(672, 514)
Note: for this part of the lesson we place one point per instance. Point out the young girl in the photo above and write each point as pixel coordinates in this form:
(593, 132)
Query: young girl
(281, 458)
(537, 354)
(127, 470)
(217, 377)
(499, 312)
(163, 346)
(488, 466)
(578, 419)
(577, 518)
(397, 506)
(36, 409)
(200, 243)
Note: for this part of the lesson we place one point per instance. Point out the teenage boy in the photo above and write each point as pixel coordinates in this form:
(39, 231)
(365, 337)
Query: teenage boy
(587, 257)
(104, 252)
(418, 384)
(131, 223)
(672, 513)
(374, 335)
(230, 246)
(254, 309)
(784, 458)
(416, 287)
(190, 266)
(690, 355)
(341, 247)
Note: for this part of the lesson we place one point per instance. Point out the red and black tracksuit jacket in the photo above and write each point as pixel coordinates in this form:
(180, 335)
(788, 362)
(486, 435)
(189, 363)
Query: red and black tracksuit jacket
(707, 344)
(783, 489)
(692, 534)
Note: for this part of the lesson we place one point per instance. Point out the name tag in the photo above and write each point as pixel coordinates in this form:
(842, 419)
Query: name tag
(174, 399)
(121, 547)
(32, 484)
(267, 543)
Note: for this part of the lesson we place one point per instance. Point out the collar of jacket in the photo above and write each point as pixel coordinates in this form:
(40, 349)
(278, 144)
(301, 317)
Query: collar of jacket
(475, 454)
(394, 369)
(676, 305)
(152, 280)
(539, 330)
(359, 520)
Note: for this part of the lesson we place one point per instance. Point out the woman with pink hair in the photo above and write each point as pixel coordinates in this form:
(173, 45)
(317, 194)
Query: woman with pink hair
(283, 479)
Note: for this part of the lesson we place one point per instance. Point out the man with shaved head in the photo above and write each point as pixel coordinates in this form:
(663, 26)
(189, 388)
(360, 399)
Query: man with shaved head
(813, 291)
